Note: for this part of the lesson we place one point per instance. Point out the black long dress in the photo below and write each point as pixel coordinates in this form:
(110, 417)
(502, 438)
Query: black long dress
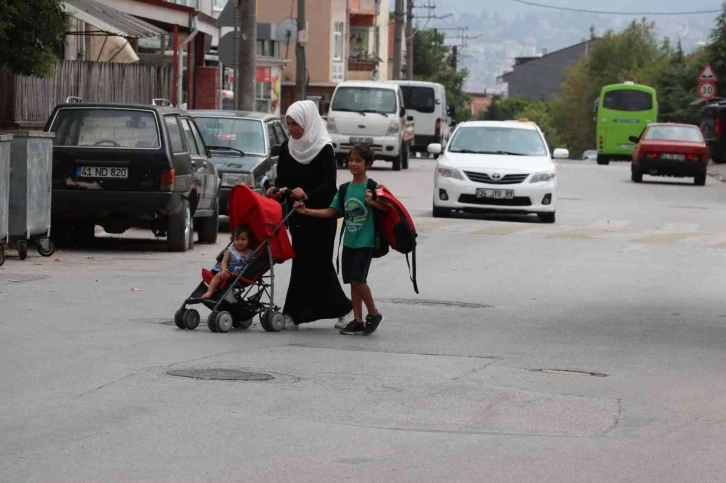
(314, 292)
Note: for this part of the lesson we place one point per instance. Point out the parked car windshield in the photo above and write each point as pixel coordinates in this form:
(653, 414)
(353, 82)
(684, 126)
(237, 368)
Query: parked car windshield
(247, 135)
(364, 99)
(106, 128)
(689, 134)
(498, 140)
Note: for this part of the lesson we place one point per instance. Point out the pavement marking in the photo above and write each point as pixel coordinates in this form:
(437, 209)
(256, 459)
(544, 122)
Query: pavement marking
(504, 229)
(671, 233)
(595, 230)
(435, 225)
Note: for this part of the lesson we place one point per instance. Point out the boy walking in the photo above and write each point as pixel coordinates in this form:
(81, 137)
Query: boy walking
(359, 241)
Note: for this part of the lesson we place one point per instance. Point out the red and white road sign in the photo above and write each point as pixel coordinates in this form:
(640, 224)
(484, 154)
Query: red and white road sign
(707, 90)
(707, 74)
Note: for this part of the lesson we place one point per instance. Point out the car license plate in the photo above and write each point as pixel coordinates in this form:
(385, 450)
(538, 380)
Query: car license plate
(101, 172)
(495, 194)
(361, 140)
(674, 157)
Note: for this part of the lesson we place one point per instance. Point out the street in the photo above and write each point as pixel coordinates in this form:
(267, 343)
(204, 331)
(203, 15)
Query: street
(620, 303)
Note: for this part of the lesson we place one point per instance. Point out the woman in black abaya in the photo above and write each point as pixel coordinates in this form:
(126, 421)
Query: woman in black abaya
(307, 167)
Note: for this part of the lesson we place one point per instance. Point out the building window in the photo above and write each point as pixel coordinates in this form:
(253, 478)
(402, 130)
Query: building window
(268, 48)
(220, 4)
(187, 3)
(338, 72)
(263, 96)
(337, 41)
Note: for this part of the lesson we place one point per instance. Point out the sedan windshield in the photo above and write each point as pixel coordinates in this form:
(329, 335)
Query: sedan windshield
(689, 134)
(364, 99)
(245, 135)
(498, 140)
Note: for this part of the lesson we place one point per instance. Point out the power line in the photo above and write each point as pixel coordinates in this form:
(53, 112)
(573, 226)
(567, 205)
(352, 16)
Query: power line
(604, 12)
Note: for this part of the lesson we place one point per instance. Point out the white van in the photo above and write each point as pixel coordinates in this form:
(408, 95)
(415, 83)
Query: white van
(372, 113)
(426, 106)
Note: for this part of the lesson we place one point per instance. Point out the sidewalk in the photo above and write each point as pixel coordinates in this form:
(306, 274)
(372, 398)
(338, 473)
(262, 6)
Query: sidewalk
(717, 171)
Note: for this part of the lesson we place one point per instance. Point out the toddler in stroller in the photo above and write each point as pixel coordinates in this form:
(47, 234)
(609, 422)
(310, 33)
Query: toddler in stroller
(235, 300)
(234, 260)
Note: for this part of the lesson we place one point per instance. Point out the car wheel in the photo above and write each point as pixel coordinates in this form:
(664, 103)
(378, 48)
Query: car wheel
(340, 160)
(180, 229)
(546, 217)
(441, 212)
(636, 174)
(700, 180)
(209, 226)
(602, 160)
(398, 160)
(406, 155)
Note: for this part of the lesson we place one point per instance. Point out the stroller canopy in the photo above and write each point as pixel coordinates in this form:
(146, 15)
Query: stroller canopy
(263, 216)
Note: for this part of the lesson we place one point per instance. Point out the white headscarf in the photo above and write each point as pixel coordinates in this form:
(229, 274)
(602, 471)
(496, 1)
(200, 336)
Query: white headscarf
(315, 137)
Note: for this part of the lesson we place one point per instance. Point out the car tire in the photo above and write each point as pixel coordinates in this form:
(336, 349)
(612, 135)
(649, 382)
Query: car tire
(209, 226)
(180, 229)
(700, 180)
(340, 160)
(602, 160)
(636, 174)
(406, 156)
(547, 217)
(441, 212)
(398, 160)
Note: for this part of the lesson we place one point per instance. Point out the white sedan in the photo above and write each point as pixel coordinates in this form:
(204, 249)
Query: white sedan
(497, 166)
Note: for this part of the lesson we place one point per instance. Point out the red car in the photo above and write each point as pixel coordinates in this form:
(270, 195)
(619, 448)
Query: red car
(666, 149)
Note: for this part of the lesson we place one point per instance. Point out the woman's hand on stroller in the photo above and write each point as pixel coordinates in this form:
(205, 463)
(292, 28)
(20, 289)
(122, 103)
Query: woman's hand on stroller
(273, 192)
(299, 194)
(299, 206)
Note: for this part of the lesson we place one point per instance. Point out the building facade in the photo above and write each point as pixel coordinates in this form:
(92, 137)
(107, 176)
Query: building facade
(541, 77)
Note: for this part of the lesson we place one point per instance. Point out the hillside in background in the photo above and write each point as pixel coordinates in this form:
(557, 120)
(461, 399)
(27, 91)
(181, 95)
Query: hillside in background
(512, 30)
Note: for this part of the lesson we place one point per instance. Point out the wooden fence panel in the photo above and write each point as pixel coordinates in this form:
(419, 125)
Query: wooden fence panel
(35, 98)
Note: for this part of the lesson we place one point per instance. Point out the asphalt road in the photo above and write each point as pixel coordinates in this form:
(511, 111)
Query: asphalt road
(627, 284)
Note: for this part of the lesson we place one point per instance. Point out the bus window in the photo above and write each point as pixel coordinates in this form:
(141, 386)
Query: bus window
(628, 100)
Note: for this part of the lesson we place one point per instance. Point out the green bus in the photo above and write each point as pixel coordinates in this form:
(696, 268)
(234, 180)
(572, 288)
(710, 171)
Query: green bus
(621, 111)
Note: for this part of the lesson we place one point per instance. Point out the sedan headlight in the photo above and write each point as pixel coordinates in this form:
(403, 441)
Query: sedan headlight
(332, 128)
(543, 177)
(233, 179)
(393, 128)
(449, 172)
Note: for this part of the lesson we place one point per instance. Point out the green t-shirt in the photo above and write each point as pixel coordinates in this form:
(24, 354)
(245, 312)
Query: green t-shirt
(360, 227)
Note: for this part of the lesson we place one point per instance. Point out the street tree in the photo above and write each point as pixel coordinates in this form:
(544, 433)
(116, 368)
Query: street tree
(432, 62)
(31, 36)
(716, 50)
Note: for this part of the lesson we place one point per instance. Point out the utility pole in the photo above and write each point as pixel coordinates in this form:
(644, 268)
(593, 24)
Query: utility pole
(409, 40)
(244, 99)
(454, 56)
(301, 74)
(398, 40)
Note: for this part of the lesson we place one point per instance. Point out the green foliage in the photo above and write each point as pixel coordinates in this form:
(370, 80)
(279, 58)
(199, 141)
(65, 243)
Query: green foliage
(539, 113)
(716, 50)
(31, 35)
(506, 109)
(432, 63)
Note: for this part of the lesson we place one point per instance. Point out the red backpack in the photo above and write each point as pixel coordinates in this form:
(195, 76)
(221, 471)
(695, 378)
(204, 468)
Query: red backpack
(395, 226)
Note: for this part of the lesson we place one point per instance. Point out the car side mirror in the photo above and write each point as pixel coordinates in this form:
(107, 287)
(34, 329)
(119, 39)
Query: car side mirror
(560, 153)
(275, 150)
(434, 148)
(634, 139)
(403, 111)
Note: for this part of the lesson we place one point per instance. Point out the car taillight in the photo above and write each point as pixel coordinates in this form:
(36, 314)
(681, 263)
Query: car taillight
(167, 179)
(719, 128)
(650, 154)
(438, 127)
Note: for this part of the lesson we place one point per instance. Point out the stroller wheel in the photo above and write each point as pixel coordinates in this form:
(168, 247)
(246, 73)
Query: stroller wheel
(191, 319)
(212, 322)
(224, 322)
(179, 318)
(273, 321)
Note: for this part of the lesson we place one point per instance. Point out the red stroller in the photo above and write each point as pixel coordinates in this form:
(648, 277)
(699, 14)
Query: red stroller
(238, 300)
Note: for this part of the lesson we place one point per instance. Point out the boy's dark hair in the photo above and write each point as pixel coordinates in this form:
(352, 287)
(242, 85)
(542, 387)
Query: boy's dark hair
(365, 153)
(239, 229)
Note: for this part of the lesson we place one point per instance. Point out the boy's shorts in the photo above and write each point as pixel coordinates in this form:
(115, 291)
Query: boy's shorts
(356, 263)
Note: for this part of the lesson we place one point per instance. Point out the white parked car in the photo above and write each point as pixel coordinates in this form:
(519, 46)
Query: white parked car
(497, 166)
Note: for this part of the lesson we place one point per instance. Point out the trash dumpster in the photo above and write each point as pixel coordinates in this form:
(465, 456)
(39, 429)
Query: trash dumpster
(4, 192)
(31, 165)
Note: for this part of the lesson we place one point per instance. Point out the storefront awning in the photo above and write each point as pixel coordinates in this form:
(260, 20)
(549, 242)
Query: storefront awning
(110, 20)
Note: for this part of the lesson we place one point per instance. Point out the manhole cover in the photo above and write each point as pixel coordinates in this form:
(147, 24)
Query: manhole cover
(436, 303)
(566, 372)
(221, 375)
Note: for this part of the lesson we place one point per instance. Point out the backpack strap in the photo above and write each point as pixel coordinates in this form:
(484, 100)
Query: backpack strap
(342, 190)
(412, 274)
